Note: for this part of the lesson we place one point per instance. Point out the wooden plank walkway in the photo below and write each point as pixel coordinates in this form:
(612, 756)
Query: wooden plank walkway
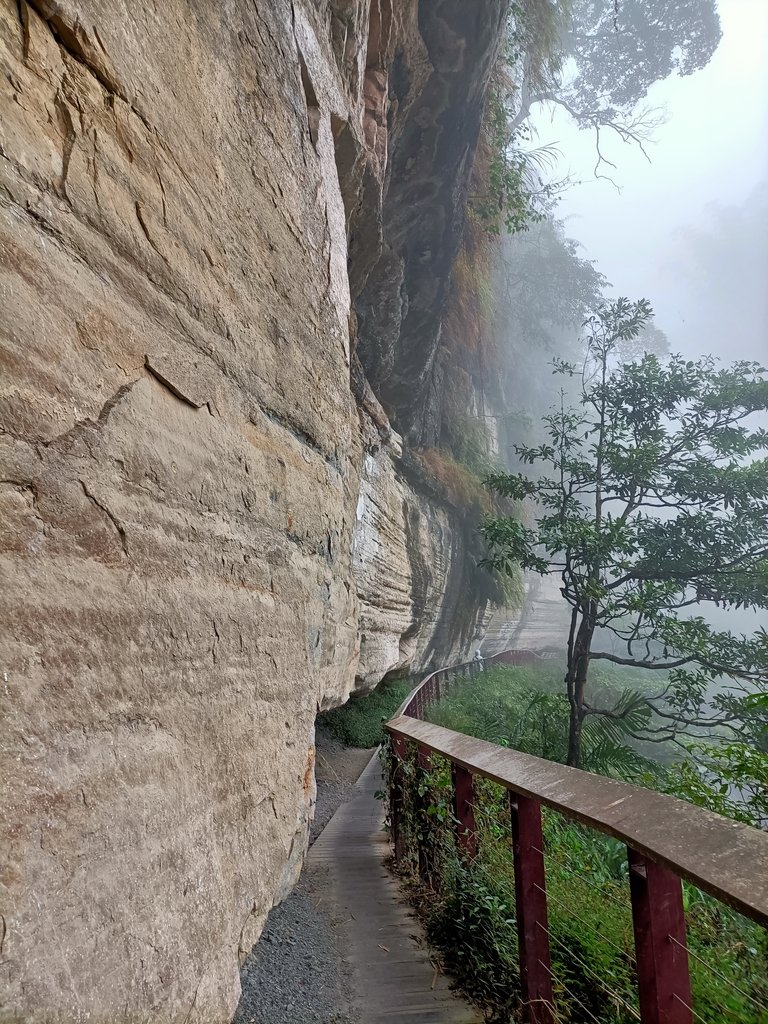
(392, 974)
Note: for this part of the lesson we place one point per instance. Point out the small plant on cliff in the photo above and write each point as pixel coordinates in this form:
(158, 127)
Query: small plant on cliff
(460, 486)
(510, 190)
(511, 194)
(654, 497)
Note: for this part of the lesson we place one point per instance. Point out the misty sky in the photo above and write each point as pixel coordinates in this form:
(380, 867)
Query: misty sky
(689, 231)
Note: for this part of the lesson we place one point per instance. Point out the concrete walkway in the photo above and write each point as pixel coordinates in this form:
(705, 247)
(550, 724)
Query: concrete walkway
(392, 976)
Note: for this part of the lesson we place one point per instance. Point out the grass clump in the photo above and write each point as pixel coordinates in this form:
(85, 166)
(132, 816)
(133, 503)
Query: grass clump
(461, 487)
(360, 722)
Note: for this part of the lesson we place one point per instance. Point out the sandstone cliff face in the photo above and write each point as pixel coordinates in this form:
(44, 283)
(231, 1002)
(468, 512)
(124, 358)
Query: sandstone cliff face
(190, 557)
(433, 149)
(423, 600)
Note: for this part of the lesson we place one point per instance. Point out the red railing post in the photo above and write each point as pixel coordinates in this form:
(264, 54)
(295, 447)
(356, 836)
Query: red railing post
(658, 918)
(531, 903)
(464, 809)
(396, 796)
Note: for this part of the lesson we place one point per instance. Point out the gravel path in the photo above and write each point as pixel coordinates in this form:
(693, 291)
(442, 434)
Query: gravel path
(296, 973)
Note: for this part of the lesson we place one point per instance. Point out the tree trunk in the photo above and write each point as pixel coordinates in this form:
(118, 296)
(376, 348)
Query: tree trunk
(578, 671)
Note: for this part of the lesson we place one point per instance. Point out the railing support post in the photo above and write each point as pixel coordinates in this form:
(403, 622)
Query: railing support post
(531, 903)
(396, 796)
(658, 918)
(464, 810)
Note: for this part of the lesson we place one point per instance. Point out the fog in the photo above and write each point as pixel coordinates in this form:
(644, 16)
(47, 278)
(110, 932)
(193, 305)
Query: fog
(686, 227)
(689, 229)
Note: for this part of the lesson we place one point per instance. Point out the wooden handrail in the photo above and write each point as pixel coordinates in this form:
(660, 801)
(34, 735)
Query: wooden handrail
(515, 655)
(666, 840)
(724, 858)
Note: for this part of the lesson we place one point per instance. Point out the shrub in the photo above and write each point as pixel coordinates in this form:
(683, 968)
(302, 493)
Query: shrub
(359, 722)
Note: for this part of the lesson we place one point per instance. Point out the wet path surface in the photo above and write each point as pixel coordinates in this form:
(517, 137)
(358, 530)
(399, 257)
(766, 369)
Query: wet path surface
(344, 947)
(392, 976)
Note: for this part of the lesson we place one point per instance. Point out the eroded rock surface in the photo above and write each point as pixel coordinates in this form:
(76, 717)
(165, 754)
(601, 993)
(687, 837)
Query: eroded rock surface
(438, 91)
(184, 571)
(423, 599)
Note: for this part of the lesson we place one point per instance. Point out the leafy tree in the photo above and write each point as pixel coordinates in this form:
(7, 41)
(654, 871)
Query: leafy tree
(654, 498)
(732, 777)
(547, 282)
(613, 51)
(620, 50)
(510, 191)
(650, 340)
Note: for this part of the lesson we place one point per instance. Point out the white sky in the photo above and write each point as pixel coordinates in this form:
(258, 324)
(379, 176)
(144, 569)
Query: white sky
(713, 149)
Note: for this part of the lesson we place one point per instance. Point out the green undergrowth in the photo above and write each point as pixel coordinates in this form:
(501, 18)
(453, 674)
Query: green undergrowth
(360, 722)
(524, 707)
(469, 906)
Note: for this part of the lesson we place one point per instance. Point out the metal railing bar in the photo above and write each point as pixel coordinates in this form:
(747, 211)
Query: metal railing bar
(570, 992)
(549, 1006)
(584, 879)
(667, 840)
(614, 995)
(467, 668)
(583, 921)
(690, 1009)
(691, 841)
(604, 892)
(722, 977)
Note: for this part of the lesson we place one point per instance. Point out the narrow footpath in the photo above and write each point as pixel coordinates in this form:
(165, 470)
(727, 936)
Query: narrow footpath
(344, 948)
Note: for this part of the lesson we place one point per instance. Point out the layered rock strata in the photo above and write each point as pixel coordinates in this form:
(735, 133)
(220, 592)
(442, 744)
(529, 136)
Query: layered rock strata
(191, 197)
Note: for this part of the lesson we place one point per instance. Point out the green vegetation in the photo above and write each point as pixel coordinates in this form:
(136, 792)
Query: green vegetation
(524, 708)
(359, 722)
(650, 497)
(613, 53)
(469, 907)
(651, 492)
(513, 194)
(734, 781)
(506, 196)
(460, 486)
(509, 193)
(471, 446)
(472, 919)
